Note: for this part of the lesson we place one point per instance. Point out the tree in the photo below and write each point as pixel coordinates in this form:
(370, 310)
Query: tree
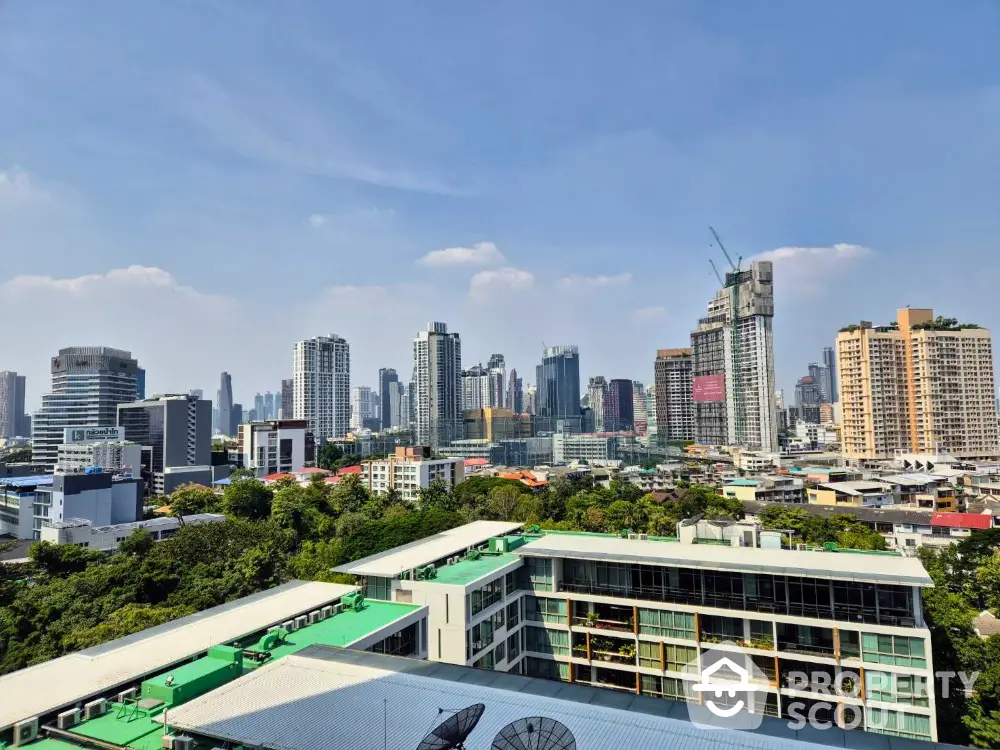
(137, 544)
(292, 508)
(437, 495)
(241, 473)
(124, 621)
(349, 495)
(189, 499)
(247, 498)
(19, 455)
(502, 501)
(62, 559)
(328, 455)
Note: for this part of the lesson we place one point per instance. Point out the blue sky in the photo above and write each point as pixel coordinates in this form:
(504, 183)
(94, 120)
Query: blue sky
(205, 183)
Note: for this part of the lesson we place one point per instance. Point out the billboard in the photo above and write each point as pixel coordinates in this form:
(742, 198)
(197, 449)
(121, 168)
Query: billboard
(708, 388)
(93, 434)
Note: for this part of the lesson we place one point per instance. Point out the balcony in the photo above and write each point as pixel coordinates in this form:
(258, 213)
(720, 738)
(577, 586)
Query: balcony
(603, 617)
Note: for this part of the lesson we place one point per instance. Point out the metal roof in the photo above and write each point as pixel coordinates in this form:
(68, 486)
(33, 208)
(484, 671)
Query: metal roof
(61, 682)
(423, 551)
(963, 520)
(846, 566)
(36, 480)
(857, 488)
(362, 700)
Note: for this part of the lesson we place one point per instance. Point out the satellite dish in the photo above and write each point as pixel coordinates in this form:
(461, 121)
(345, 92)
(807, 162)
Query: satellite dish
(451, 733)
(534, 733)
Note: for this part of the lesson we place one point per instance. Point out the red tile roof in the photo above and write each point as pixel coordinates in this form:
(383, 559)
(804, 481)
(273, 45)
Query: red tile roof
(962, 520)
(310, 470)
(349, 470)
(332, 480)
(276, 477)
(476, 462)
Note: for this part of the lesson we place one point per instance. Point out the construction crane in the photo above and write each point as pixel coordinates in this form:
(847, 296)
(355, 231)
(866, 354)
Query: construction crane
(733, 282)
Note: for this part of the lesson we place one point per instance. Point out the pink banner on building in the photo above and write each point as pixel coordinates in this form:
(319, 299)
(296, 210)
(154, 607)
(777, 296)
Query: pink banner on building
(708, 388)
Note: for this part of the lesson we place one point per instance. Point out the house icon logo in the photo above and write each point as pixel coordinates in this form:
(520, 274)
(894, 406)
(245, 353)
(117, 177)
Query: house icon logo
(731, 692)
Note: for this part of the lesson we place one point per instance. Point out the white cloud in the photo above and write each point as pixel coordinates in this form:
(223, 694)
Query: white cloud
(804, 270)
(515, 279)
(480, 254)
(644, 314)
(318, 220)
(17, 188)
(594, 282)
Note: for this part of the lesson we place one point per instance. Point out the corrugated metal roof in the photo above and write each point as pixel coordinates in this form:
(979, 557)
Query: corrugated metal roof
(847, 566)
(355, 699)
(963, 520)
(409, 556)
(69, 679)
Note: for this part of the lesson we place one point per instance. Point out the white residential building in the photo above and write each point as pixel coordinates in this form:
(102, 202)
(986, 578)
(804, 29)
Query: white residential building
(363, 407)
(437, 380)
(569, 447)
(475, 388)
(409, 470)
(277, 446)
(119, 455)
(321, 374)
(597, 390)
(83, 533)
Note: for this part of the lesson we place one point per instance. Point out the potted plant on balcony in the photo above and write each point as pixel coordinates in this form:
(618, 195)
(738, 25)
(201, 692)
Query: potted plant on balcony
(602, 646)
(627, 651)
(591, 619)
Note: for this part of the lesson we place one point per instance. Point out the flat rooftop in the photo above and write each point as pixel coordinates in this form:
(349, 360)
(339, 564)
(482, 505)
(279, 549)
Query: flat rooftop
(392, 562)
(844, 566)
(465, 572)
(364, 700)
(69, 679)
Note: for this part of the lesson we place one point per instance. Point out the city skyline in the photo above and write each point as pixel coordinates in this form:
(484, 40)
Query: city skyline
(508, 196)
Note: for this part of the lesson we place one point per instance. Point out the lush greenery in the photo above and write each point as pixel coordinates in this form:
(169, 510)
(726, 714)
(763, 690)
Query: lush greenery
(943, 324)
(966, 582)
(806, 528)
(20, 454)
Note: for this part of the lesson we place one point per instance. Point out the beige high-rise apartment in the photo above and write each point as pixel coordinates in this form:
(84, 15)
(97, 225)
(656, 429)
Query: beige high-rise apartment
(921, 385)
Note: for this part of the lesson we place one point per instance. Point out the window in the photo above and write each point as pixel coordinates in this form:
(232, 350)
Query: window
(649, 655)
(896, 688)
(486, 661)
(378, 588)
(536, 574)
(761, 634)
(513, 646)
(666, 623)
(677, 658)
(498, 653)
(897, 723)
(513, 614)
(480, 636)
(893, 649)
(486, 596)
(540, 609)
(511, 583)
(544, 641)
(545, 668)
(663, 687)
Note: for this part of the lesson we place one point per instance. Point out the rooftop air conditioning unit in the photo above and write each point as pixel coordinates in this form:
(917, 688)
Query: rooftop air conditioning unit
(183, 743)
(26, 731)
(802, 547)
(68, 719)
(644, 536)
(125, 695)
(314, 616)
(338, 608)
(95, 708)
(327, 611)
(633, 536)
(301, 621)
(289, 625)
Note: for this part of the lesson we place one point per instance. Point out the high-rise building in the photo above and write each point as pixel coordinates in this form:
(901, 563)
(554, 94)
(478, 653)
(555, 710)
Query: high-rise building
(924, 385)
(597, 389)
(140, 383)
(640, 419)
(515, 393)
(733, 363)
(808, 391)
(226, 424)
(475, 388)
(618, 413)
(650, 399)
(321, 368)
(258, 407)
(830, 362)
(12, 422)
(558, 389)
(674, 408)
(197, 393)
(497, 381)
(287, 398)
(173, 430)
(362, 406)
(531, 400)
(437, 379)
(387, 377)
(270, 405)
(236, 417)
(88, 383)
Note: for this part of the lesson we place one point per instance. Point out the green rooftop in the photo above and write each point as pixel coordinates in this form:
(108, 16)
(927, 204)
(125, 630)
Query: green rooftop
(742, 483)
(466, 571)
(344, 629)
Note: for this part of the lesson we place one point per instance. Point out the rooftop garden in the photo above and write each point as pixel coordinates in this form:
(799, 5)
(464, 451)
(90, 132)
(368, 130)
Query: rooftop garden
(944, 324)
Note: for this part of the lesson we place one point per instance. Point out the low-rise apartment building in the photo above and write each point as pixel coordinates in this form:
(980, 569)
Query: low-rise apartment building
(275, 446)
(570, 447)
(639, 614)
(774, 488)
(83, 533)
(856, 493)
(410, 470)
